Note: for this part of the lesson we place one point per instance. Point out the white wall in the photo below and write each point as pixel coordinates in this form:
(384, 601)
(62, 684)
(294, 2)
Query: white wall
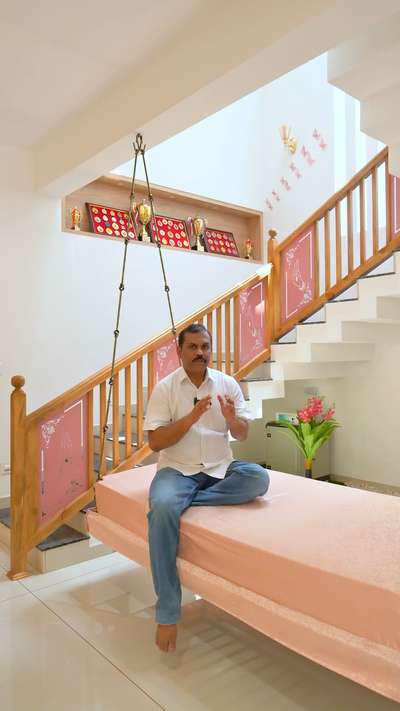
(366, 446)
(59, 293)
(237, 154)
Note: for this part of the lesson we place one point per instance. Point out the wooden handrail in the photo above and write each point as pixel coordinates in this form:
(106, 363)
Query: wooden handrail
(331, 203)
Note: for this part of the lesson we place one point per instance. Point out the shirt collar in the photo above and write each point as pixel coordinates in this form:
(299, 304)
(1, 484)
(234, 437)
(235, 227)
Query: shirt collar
(182, 375)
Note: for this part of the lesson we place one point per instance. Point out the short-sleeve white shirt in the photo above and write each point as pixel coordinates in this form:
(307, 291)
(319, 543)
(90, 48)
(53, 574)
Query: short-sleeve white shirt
(205, 447)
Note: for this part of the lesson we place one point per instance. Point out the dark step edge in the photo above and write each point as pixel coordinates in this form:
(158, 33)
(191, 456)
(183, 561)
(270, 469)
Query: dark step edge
(374, 276)
(336, 300)
(63, 536)
(256, 380)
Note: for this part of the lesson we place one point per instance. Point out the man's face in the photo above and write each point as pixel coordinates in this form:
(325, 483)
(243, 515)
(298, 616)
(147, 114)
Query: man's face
(196, 351)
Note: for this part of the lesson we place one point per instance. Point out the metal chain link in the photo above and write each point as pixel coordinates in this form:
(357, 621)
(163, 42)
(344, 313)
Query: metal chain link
(139, 149)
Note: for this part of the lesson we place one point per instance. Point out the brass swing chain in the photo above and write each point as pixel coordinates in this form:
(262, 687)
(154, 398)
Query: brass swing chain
(139, 149)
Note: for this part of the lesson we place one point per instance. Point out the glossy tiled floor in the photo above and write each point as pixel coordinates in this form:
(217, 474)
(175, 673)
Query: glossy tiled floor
(81, 639)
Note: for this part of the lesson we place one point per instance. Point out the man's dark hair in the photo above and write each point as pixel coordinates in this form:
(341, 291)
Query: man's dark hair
(193, 328)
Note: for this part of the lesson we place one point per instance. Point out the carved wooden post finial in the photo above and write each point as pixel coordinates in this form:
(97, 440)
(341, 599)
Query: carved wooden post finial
(18, 381)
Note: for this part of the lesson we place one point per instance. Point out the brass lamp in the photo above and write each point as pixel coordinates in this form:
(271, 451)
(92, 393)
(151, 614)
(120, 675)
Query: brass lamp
(287, 139)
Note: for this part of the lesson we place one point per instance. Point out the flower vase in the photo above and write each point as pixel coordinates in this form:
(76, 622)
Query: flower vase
(308, 468)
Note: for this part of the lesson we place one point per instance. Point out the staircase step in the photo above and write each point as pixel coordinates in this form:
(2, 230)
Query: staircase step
(63, 536)
(315, 371)
(322, 352)
(350, 294)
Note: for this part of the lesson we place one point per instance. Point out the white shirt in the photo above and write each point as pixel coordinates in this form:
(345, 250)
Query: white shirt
(205, 447)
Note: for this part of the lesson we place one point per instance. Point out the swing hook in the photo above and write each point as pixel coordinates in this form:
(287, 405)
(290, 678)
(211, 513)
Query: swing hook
(138, 144)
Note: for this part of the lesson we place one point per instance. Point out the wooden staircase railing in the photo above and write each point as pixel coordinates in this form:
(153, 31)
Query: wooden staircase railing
(52, 472)
(339, 243)
(52, 448)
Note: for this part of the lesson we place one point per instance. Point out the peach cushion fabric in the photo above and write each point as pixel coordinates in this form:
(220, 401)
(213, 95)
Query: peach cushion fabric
(327, 551)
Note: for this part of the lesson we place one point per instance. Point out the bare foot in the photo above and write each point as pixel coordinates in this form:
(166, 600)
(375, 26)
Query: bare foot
(166, 637)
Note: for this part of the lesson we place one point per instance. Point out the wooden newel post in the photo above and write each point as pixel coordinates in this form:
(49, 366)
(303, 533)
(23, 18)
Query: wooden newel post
(273, 288)
(17, 461)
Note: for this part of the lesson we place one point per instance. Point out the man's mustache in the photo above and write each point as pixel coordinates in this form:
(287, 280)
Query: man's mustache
(203, 360)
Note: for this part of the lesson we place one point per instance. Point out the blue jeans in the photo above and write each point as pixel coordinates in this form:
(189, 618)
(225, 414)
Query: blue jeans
(171, 493)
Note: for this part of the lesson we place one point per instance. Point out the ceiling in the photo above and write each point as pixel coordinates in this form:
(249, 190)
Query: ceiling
(57, 57)
(79, 78)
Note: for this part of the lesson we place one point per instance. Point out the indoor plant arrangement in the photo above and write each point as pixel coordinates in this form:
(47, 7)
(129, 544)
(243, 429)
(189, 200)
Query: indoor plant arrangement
(313, 428)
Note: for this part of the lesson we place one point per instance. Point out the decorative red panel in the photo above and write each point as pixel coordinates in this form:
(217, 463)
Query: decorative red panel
(110, 222)
(220, 242)
(172, 232)
(252, 321)
(395, 201)
(297, 274)
(63, 459)
(166, 360)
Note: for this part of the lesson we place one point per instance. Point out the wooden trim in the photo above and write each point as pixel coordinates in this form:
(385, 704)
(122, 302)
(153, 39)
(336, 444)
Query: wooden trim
(150, 373)
(219, 338)
(276, 274)
(338, 237)
(272, 290)
(153, 245)
(139, 402)
(362, 223)
(350, 240)
(159, 191)
(245, 369)
(128, 406)
(115, 420)
(375, 216)
(315, 238)
(210, 329)
(135, 458)
(31, 491)
(388, 202)
(60, 518)
(336, 198)
(228, 337)
(17, 452)
(236, 333)
(90, 383)
(103, 408)
(90, 440)
(327, 248)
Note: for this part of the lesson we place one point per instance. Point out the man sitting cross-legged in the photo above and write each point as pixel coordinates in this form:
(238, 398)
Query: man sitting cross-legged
(189, 416)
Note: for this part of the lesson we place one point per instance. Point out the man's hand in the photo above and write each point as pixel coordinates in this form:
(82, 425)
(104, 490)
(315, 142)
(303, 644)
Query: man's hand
(227, 408)
(238, 428)
(200, 408)
(168, 435)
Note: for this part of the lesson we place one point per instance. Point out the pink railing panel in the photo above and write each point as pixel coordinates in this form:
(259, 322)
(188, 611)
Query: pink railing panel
(297, 280)
(252, 322)
(63, 459)
(395, 183)
(165, 360)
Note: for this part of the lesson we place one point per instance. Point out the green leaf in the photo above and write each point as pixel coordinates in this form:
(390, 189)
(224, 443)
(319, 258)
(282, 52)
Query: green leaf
(293, 435)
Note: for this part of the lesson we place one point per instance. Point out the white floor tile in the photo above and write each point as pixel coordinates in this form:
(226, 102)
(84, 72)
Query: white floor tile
(120, 590)
(46, 666)
(4, 558)
(220, 664)
(42, 580)
(9, 588)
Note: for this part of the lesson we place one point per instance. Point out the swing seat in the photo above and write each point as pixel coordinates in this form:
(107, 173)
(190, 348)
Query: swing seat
(312, 565)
